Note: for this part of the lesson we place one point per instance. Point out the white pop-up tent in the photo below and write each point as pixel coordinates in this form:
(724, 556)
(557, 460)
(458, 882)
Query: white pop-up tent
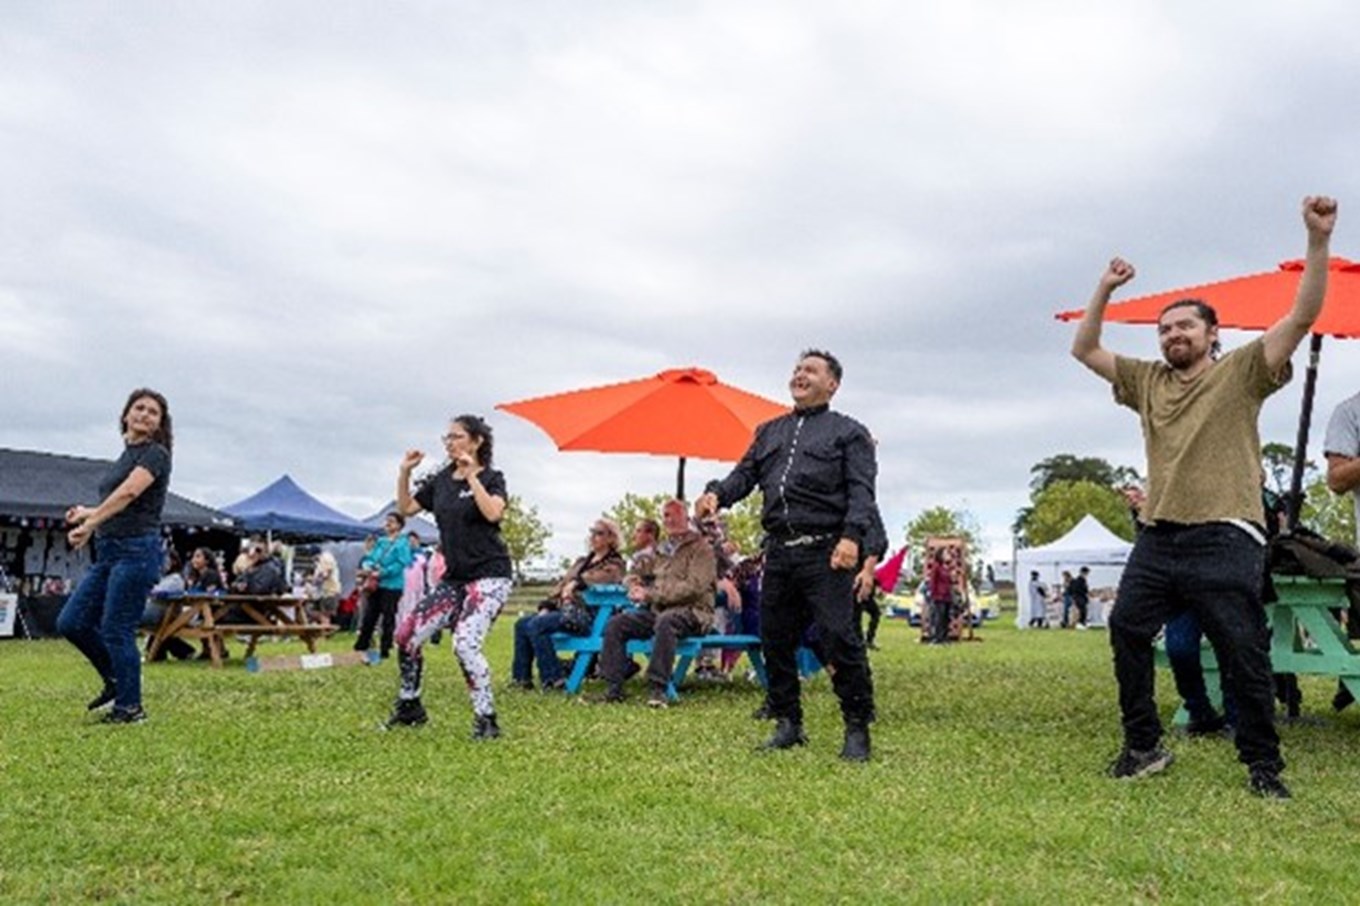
(1088, 544)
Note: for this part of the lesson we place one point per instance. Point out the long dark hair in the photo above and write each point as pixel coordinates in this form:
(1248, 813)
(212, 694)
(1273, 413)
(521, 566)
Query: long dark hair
(478, 429)
(165, 434)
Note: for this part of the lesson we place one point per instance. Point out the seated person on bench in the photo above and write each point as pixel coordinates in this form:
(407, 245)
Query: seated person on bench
(678, 602)
(564, 610)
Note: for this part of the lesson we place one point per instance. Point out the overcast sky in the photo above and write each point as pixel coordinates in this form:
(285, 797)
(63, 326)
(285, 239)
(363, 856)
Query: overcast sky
(323, 228)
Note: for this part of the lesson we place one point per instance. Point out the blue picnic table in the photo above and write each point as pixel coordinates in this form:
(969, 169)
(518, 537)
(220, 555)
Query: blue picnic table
(605, 601)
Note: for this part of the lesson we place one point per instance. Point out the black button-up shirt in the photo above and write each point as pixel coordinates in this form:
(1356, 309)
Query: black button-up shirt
(816, 469)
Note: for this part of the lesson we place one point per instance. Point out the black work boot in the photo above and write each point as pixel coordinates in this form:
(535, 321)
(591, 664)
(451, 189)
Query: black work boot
(787, 734)
(484, 727)
(856, 747)
(407, 712)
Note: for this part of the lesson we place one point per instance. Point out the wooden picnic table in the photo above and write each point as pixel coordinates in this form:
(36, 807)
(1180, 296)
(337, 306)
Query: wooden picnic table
(213, 617)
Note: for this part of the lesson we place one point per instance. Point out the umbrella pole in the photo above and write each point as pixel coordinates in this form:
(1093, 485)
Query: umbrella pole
(680, 481)
(1305, 421)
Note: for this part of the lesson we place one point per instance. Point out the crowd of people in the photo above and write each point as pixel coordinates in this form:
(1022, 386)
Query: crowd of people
(1199, 552)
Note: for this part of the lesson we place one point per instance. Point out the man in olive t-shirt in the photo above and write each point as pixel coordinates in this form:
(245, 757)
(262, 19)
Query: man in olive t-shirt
(1202, 547)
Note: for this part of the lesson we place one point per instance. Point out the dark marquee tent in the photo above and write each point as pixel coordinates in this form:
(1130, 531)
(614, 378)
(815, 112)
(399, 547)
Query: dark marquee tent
(42, 486)
(36, 489)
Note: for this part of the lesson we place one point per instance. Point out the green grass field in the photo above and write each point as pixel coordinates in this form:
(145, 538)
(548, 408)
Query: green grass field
(987, 786)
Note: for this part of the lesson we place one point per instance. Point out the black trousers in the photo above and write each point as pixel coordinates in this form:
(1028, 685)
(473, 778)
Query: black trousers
(801, 588)
(382, 603)
(1213, 570)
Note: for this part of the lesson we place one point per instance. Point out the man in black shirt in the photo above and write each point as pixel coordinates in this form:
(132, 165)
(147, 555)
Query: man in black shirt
(817, 470)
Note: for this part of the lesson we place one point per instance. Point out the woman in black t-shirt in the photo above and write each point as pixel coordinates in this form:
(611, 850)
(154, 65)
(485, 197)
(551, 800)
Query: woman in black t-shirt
(467, 498)
(101, 616)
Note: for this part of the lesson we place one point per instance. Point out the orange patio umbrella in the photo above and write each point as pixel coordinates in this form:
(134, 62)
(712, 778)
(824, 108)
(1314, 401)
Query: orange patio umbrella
(684, 412)
(1255, 302)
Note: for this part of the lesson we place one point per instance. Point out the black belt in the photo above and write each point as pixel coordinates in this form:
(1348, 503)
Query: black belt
(802, 540)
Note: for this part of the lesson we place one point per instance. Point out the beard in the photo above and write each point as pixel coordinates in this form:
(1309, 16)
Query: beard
(1181, 356)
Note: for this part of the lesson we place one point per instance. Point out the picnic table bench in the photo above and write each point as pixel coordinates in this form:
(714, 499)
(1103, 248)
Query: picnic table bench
(605, 601)
(1305, 637)
(201, 616)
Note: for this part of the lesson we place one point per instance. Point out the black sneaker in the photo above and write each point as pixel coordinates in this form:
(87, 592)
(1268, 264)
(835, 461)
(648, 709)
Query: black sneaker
(526, 685)
(484, 727)
(116, 715)
(1140, 763)
(763, 712)
(1264, 781)
(407, 712)
(658, 698)
(103, 699)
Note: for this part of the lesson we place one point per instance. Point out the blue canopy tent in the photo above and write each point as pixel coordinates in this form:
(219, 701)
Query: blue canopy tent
(427, 530)
(284, 508)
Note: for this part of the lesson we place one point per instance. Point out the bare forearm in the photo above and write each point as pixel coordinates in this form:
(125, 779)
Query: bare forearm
(1313, 285)
(491, 506)
(1343, 474)
(406, 504)
(1087, 338)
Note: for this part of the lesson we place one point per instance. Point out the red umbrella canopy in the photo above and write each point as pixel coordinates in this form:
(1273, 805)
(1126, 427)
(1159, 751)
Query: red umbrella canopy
(1255, 302)
(680, 412)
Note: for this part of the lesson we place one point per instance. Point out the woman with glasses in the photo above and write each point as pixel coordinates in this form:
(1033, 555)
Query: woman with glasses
(467, 498)
(565, 609)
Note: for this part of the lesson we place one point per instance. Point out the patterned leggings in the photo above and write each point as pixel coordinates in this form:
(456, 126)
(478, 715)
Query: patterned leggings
(470, 608)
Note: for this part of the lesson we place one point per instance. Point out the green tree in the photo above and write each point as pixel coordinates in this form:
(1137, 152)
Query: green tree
(743, 523)
(942, 522)
(634, 508)
(1278, 462)
(742, 520)
(1330, 515)
(524, 534)
(1060, 506)
(1066, 467)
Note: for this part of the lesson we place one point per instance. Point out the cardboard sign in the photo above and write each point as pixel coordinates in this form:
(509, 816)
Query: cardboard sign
(318, 661)
(9, 606)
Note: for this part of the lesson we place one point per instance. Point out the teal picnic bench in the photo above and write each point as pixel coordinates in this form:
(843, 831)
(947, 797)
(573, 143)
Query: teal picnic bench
(1305, 637)
(605, 601)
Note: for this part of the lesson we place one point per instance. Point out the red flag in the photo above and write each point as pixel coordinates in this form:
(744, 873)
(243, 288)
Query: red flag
(887, 574)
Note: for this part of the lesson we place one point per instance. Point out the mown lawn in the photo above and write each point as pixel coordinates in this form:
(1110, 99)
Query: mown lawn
(986, 786)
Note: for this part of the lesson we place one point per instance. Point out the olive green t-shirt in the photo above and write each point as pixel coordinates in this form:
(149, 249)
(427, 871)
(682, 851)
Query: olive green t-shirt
(1201, 439)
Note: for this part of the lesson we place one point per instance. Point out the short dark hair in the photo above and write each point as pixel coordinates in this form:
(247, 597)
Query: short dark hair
(651, 526)
(831, 361)
(1204, 311)
(401, 520)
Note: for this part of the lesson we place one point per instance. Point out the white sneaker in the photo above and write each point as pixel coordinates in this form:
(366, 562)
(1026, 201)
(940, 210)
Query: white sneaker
(1082, 626)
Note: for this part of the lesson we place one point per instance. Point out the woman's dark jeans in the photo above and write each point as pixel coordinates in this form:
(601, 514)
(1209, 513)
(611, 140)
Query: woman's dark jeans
(1183, 651)
(1213, 570)
(533, 638)
(102, 615)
